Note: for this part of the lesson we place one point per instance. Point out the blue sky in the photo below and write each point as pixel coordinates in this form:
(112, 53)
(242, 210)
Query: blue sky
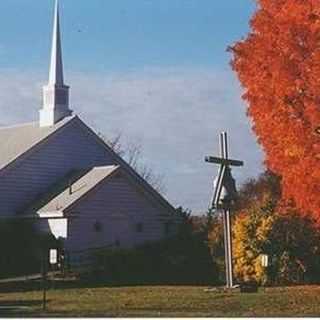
(155, 70)
(121, 34)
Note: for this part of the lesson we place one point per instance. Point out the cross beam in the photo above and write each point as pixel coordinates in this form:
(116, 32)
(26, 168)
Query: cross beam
(226, 162)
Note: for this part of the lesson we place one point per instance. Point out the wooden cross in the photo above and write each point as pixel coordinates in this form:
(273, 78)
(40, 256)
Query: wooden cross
(225, 179)
(225, 163)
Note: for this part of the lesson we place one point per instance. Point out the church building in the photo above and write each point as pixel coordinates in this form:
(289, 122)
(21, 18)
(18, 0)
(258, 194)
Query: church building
(58, 172)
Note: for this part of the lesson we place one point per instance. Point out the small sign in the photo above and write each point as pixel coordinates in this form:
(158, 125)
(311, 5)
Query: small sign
(264, 260)
(53, 257)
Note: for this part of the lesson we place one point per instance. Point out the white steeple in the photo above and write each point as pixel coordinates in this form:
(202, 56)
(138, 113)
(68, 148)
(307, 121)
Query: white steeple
(56, 66)
(56, 93)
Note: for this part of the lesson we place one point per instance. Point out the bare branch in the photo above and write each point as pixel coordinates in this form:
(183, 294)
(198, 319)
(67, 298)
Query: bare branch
(132, 152)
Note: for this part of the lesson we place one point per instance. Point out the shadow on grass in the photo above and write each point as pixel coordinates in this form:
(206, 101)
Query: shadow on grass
(17, 308)
(27, 303)
(35, 285)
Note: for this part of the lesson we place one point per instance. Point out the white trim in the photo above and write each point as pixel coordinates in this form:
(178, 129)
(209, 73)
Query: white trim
(50, 215)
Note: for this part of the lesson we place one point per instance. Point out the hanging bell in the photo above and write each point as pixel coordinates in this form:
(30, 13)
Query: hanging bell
(228, 191)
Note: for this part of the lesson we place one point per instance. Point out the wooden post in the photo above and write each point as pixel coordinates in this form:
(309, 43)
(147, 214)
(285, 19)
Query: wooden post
(229, 266)
(44, 279)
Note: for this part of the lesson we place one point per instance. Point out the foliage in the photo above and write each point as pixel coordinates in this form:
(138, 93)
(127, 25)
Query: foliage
(182, 259)
(254, 195)
(251, 237)
(167, 262)
(278, 64)
(186, 222)
(21, 248)
(294, 244)
(216, 245)
(290, 241)
(256, 190)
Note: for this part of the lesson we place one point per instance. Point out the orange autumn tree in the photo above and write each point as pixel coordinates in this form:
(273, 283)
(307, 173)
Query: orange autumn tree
(278, 65)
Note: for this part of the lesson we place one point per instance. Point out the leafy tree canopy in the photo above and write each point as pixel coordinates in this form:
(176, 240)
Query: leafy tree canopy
(278, 65)
(262, 227)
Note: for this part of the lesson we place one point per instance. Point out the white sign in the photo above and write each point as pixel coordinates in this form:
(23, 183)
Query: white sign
(53, 258)
(264, 260)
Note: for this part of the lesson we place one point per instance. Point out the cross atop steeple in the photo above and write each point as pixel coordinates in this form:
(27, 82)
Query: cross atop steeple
(56, 93)
(56, 66)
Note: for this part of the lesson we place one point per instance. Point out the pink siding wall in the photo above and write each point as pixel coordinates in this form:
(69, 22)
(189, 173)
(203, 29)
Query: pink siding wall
(71, 148)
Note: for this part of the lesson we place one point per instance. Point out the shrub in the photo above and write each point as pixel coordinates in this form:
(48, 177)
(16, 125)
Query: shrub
(183, 259)
(21, 248)
(291, 242)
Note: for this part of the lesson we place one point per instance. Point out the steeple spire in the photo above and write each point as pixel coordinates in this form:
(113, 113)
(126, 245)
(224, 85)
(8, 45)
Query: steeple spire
(56, 93)
(56, 67)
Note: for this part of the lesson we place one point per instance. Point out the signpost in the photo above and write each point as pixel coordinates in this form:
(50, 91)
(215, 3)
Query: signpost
(265, 264)
(44, 279)
(224, 195)
(53, 259)
(53, 256)
(264, 260)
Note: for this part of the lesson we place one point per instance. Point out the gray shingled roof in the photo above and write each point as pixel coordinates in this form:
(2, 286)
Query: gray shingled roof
(16, 140)
(70, 189)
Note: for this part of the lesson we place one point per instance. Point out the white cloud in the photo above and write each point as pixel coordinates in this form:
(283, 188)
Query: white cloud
(177, 115)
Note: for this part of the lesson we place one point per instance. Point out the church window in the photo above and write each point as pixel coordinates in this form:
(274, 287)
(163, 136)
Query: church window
(139, 227)
(98, 226)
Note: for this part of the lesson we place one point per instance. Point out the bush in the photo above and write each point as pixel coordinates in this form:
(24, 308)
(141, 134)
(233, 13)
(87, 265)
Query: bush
(290, 241)
(251, 235)
(294, 244)
(183, 259)
(21, 248)
(216, 245)
(167, 262)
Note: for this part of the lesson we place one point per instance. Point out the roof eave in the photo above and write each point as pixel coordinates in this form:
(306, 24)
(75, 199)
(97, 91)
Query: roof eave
(66, 209)
(126, 166)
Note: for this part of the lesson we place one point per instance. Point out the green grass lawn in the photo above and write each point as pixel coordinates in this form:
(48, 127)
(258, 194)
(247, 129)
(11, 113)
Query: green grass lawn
(168, 301)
